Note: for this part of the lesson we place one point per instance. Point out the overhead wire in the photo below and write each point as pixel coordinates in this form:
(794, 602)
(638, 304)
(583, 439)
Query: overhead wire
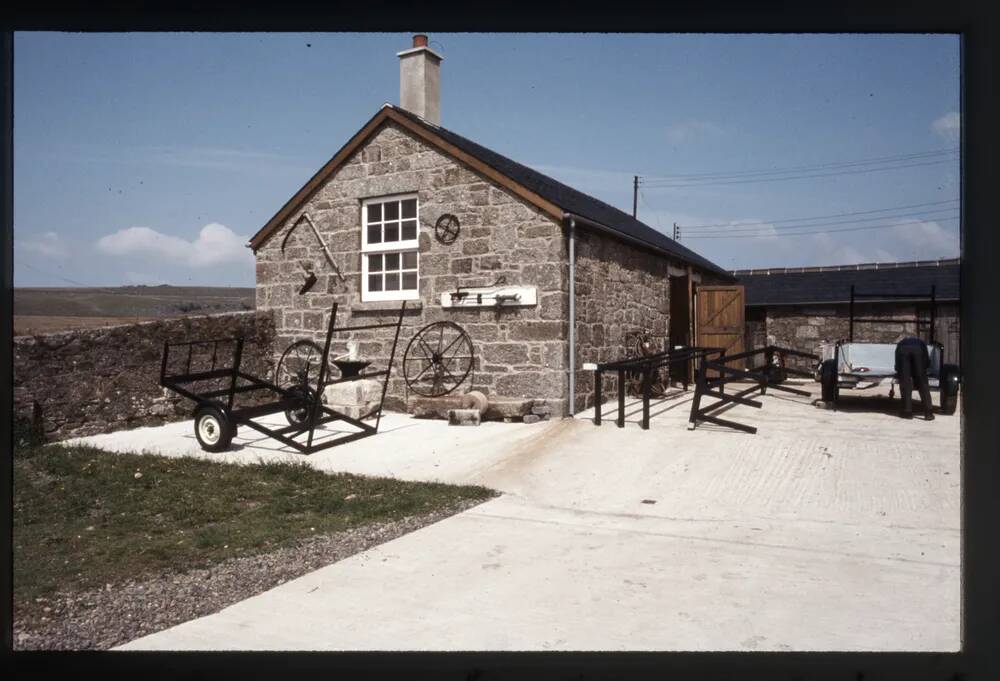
(821, 231)
(736, 229)
(882, 160)
(823, 217)
(795, 177)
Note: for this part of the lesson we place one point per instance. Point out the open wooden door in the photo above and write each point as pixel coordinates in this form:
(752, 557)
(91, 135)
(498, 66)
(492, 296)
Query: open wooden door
(719, 319)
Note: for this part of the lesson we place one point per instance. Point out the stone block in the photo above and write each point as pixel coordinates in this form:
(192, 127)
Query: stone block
(541, 410)
(475, 246)
(531, 330)
(506, 408)
(505, 353)
(464, 417)
(434, 407)
(461, 266)
(532, 418)
(360, 392)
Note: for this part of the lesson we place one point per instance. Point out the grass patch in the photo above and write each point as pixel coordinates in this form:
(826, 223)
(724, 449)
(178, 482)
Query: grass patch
(84, 517)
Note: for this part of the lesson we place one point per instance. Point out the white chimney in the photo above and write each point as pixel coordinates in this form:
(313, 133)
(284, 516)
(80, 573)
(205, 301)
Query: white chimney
(420, 80)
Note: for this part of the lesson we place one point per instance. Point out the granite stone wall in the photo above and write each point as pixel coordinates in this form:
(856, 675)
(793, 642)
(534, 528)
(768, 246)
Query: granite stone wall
(808, 327)
(619, 288)
(520, 351)
(91, 381)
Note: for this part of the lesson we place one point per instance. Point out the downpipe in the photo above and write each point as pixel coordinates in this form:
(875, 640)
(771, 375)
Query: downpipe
(572, 317)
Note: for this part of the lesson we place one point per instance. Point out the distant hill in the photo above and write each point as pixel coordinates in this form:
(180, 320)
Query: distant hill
(42, 310)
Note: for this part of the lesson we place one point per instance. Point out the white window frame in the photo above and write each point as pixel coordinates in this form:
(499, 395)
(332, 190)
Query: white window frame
(410, 245)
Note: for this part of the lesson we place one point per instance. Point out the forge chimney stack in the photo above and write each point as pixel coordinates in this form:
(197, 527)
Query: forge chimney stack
(420, 80)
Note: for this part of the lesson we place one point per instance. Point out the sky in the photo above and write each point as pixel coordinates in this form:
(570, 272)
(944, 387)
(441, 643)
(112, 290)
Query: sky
(151, 158)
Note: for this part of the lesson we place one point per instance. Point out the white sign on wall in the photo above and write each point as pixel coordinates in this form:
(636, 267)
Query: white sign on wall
(491, 296)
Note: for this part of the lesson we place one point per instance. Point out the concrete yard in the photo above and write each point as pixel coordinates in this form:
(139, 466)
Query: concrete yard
(827, 530)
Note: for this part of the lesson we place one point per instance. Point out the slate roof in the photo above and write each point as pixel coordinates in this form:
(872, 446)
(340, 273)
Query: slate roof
(814, 286)
(569, 199)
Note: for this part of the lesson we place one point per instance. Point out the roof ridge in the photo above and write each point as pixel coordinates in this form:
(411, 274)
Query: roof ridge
(681, 251)
(801, 269)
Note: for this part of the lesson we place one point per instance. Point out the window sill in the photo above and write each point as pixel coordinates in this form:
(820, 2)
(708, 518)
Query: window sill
(386, 306)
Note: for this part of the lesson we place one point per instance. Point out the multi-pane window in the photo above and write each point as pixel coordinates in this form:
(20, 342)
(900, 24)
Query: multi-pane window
(389, 248)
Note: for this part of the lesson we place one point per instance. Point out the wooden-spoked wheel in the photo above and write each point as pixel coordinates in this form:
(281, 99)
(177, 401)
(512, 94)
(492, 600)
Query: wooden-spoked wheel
(438, 359)
(638, 344)
(299, 366)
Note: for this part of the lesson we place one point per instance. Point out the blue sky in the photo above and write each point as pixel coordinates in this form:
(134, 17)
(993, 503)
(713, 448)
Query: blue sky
(152, 158)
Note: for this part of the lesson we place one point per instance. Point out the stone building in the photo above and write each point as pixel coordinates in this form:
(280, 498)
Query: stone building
(806, 307)
(383, 206)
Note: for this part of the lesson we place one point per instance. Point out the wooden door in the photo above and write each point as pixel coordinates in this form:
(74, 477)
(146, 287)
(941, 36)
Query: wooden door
(719, 321)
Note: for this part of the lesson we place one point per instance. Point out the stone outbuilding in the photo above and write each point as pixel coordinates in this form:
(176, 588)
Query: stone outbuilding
(805, 308)
(409, 210)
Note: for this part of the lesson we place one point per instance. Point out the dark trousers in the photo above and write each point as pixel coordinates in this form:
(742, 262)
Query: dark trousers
(912, 363)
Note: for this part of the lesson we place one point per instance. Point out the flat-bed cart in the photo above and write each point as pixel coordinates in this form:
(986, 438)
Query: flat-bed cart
(860, 365)
(216, 416)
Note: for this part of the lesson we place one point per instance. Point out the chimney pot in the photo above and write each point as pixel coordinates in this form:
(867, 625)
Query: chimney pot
(420, 40)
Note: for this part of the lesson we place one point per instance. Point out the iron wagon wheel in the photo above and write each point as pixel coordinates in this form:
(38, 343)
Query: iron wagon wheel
(438, 359)
(638, 345)
(299, 366)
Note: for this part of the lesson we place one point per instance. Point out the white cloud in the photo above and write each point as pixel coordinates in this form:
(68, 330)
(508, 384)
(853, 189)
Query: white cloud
(910, 241)
(216, 245)
(685, 130)
(926, 239)
(48, 244)
(948, 126)
(144, 278)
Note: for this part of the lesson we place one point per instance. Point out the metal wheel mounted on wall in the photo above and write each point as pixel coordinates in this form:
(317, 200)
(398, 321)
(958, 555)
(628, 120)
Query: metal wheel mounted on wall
(438, 359)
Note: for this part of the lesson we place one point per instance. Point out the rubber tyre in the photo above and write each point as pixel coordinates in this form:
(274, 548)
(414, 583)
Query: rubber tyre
(949, 382)
(298, 417)
(213, 429)
(775, 374)
(828, 380)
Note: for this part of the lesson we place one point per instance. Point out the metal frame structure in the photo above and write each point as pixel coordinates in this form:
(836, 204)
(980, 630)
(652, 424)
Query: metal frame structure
(915, 297)
(763, 378)
(288, 398)
(644, 366)
(853, 379)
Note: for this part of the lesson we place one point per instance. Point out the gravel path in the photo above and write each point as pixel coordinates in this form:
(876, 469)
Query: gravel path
(104, 618)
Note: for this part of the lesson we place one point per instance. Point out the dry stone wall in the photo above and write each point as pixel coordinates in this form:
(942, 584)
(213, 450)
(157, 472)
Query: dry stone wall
(100, 380)
(520, 351)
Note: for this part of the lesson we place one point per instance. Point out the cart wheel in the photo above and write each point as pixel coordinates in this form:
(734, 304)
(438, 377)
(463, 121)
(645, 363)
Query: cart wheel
(299, 415)
(438, 359)
(213, 429)
(949, 381)
(828, 380)
(658, 383)
(639, 344)
(299, 365)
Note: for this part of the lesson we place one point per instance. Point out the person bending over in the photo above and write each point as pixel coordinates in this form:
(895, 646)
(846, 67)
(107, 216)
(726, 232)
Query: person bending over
(912, 362)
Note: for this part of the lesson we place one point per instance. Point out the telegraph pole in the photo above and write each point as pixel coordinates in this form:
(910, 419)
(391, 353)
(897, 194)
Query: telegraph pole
(677, 232)
(635, 195)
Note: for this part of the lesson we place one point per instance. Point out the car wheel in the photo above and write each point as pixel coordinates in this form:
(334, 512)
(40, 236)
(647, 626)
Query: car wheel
(213, 429)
